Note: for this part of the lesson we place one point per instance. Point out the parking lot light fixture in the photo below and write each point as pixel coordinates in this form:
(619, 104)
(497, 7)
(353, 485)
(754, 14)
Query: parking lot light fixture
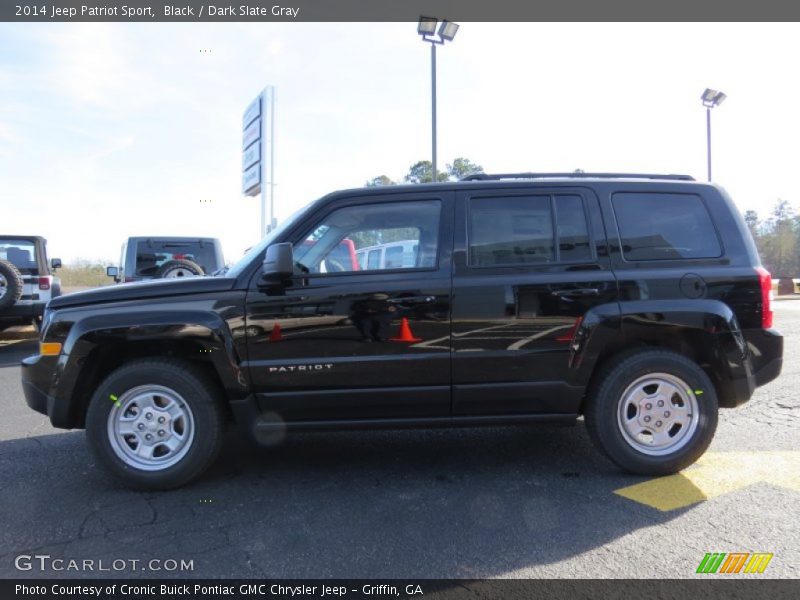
(710, 98)
(447, 31)
(427, 26)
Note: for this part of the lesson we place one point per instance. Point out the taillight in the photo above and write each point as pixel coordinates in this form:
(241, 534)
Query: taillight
(765, 280)
(567, 337)
(44, 282)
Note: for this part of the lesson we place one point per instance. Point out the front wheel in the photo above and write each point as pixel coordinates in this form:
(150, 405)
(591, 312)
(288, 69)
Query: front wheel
(653, 412)
(156, 423)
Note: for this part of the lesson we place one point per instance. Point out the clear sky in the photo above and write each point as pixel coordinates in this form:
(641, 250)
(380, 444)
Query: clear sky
(112, 130)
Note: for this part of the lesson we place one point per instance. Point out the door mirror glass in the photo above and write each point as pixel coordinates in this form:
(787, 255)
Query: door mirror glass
(278, 262)
(112, 272)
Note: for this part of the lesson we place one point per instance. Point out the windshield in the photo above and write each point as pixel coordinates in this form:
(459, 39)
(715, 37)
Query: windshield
(240, 265)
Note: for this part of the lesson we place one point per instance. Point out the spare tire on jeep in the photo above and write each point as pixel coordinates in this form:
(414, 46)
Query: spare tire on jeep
(10, 284)
(179, 268)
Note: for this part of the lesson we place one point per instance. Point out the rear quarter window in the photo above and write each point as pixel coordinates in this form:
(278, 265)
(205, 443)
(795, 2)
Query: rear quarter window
(654, 226)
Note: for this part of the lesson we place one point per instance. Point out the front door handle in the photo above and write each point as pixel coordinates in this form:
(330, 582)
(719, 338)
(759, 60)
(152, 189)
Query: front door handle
(576, 293)
(414, 300)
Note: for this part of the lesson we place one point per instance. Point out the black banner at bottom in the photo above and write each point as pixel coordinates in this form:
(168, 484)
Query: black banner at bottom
(428, 589)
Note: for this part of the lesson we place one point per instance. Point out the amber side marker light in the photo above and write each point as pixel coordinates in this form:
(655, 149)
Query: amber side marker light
(49, 348)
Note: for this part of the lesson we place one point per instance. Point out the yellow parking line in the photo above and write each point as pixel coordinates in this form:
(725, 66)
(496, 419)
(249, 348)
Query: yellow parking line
(715, 474)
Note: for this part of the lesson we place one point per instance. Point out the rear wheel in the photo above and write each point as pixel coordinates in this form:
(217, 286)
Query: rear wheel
(156, 423)
(653, 412)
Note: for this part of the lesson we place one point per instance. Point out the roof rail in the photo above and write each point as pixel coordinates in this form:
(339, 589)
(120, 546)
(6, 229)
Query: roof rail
(498, 176)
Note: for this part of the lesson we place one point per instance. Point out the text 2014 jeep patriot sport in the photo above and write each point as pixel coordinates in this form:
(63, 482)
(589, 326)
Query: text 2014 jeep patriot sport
(637, 301)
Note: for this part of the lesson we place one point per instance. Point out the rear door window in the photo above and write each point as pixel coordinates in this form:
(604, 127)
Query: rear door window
(520, 230)
(510, 231)
(572, 229)
(656, 226)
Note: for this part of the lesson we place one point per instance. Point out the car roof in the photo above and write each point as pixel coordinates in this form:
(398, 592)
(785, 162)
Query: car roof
(518, 180)
(168, 238)
(31, 238)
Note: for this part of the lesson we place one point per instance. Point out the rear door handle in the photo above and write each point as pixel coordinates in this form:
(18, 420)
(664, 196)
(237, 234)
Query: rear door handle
(576, 293)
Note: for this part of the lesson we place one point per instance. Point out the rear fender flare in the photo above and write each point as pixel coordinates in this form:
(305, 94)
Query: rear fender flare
(708, 329)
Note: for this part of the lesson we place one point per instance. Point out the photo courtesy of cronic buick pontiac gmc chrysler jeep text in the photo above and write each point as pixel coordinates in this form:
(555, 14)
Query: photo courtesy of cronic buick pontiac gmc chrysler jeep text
(637, 301)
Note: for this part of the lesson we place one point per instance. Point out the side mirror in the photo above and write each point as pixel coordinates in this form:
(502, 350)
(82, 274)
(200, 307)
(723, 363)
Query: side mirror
(112, 272)
(55, 263)
(278, 262)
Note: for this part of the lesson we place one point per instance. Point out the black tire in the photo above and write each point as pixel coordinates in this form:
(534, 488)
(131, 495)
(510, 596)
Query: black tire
(604, 421)
(11, 284)
(199, 393)
(179, 268)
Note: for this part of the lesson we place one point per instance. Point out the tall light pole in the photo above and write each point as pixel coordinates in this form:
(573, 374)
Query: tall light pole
(447, 31)
(710, 98)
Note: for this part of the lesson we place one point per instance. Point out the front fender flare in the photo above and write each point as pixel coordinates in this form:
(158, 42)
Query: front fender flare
(200, 330)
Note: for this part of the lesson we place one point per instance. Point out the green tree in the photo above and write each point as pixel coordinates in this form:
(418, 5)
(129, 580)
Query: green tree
(380, 180)
(363, 239)
(751, 218)
(422, 172)
(779, 241)
(462, 167)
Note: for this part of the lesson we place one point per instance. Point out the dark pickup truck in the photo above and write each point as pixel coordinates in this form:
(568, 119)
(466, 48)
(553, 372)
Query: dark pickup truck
(637, 301)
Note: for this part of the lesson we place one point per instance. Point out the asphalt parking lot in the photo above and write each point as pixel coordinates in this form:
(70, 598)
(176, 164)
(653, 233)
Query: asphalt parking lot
(517, 502)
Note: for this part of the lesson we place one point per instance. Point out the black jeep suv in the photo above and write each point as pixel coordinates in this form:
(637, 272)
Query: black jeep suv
(637, 301)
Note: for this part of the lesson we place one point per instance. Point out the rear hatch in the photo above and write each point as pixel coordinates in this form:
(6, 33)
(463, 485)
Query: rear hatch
(151, 254)
(22, 254)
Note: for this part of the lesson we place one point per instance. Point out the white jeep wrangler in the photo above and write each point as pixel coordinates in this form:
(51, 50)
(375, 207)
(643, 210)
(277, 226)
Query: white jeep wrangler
(27, 280)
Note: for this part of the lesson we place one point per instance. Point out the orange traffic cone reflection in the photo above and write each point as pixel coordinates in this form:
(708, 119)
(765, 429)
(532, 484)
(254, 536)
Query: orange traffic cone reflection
(405, 333)
(276, 335)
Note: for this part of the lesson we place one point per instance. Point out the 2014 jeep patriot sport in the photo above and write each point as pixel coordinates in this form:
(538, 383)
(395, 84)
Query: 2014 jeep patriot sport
(637, 301)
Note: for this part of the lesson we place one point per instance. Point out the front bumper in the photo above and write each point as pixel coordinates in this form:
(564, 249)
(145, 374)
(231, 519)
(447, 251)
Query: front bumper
(37, 372)
(35, 398)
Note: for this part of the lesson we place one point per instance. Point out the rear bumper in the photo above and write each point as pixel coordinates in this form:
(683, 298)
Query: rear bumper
(769, 372)
(763, 364)
(23, 312)
(766, 354)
